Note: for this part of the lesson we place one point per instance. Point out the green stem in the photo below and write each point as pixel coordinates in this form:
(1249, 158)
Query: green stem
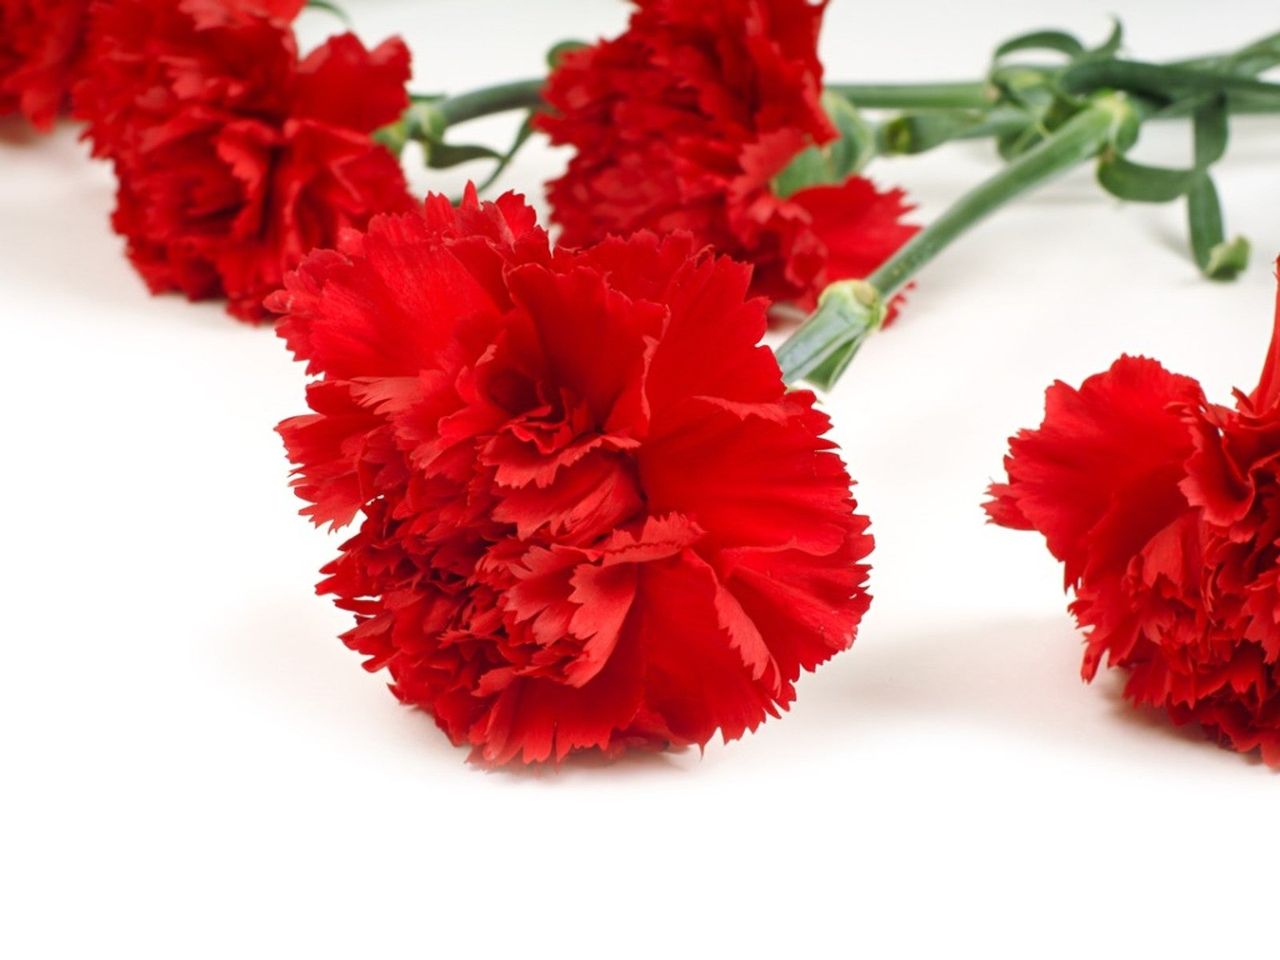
(918, 131)
(831, 332)
(1238, 105)
(1249, 60)
(1162, 82)
(1076, 141)
(914, 96)
(518, 95)
(527, 95)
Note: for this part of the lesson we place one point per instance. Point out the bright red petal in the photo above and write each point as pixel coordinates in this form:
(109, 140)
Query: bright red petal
(1100, 475)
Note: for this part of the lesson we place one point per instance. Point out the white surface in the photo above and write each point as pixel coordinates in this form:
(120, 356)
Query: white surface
(195, 766)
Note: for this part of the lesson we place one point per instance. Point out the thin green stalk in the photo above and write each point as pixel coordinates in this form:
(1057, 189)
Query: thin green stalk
(914, 96)
(1238, 105)
(518, 95)
(1160, 81)
(527, 95)
(918, 131)
(1076, 141)
(849, 311)
(1249, 60)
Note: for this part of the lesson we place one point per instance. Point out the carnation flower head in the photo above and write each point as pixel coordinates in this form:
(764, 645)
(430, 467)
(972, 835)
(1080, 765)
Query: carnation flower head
(40, 44)
(590, 516)
(685, 121)
(235, 157)
(1165, 510)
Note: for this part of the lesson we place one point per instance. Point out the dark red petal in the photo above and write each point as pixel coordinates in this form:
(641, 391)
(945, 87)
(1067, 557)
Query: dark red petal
(695, 678)
(592, 336)
(1215, 481)
(537, 720)
(342, 83)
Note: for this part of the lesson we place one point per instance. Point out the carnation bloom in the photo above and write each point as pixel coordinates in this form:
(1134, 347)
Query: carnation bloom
(234, 157)
(591, 516)
(1165, 510)
(40, 43)
(683, 123)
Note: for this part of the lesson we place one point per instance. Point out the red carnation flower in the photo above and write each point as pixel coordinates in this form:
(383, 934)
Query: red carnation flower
(1165, 510)
(592, 516)
(684, 122)
(40, 43)
(234, 158)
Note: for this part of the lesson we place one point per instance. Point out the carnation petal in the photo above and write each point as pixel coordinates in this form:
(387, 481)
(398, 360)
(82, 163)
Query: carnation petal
(1104, 463)
(344, 84)
(392, 317)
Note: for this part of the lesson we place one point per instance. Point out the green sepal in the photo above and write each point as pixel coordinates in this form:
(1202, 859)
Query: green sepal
(424, 123)
(1227, 260)
(848, 312)
(1050, 116)
(392, 136)
(421, 122)
(834, 162)
(1028, 88)
(917, 132)
(920, 130)
(831, 369)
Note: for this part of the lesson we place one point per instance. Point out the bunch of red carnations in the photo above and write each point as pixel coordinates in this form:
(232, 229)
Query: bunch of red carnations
(590, 513)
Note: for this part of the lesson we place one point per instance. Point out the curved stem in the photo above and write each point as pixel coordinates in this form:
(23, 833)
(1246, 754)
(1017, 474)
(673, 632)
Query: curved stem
(1076, 141)
(517, 95)
(913, 96)
(1160, 81)
(1249, 60)
(833, 331)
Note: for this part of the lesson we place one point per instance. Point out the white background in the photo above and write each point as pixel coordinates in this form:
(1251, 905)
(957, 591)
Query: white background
(195, 766)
